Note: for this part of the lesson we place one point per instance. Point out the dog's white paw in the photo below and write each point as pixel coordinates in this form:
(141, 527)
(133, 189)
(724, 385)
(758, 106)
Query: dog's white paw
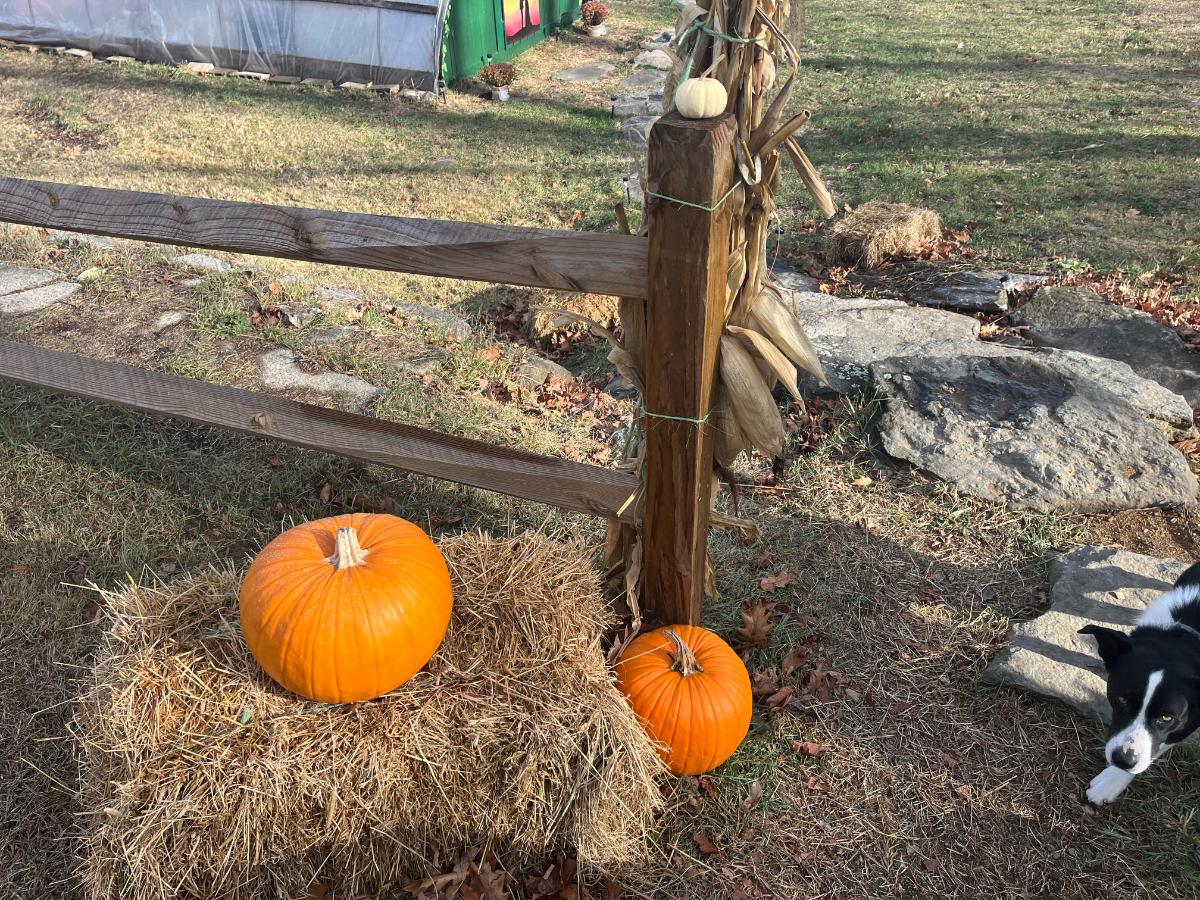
(1108, 785)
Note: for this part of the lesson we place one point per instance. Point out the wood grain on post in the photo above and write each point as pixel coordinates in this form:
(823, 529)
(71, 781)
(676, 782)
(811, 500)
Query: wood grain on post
(544, 479)
(501, 254)
(693, 161)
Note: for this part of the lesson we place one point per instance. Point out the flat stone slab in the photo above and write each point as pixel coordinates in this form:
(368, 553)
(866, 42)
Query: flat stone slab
(338, 295)
(1165, 408)
(643, 80)
(278, 371)
(17, 278)
(169, 319)
(331, 335)
(76, 239)
(456, 327)
(790, 278)
(636, 130)
(536, 370)
(654, 59)
(982, 291)
(637, 105)
(37, 299)
(1011, 429)
(1076, 319)
(1089, 585)
(200, 262)
(587, 74)
(850, 334)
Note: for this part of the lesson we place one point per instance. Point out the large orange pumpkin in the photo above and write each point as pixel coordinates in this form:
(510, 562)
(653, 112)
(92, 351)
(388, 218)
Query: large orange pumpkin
(692, 693)
(346, 608)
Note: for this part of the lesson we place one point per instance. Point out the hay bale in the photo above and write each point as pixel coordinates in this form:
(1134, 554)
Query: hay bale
(547, 325)
(202, 778)
(876, 230)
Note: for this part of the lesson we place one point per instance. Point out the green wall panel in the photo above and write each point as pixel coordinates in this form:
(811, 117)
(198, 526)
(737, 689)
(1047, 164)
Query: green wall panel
(475, 32)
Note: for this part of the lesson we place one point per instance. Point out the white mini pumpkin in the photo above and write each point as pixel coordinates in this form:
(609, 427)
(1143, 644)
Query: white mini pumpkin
(701, 98)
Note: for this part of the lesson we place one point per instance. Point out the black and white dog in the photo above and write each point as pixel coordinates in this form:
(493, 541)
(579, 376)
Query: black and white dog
(1153, 684)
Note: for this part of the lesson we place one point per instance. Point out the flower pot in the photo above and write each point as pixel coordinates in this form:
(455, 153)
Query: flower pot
(500, 93)
(597, 30)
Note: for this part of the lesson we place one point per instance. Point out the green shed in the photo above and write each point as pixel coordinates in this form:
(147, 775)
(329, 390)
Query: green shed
(482, 31)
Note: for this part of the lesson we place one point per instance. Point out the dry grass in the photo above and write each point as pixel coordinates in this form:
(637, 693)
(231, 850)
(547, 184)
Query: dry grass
(876, 231)
(202, 778)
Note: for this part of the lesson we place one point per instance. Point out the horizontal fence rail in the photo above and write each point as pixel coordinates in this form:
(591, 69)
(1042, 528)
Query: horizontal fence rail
(543, 479)
(533, 257)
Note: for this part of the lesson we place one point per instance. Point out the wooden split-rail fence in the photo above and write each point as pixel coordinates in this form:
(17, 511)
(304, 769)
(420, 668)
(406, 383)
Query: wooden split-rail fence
(679, 270)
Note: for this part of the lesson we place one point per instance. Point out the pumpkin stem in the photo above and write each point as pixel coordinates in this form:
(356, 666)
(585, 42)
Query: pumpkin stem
(683, 659)
(347, 550)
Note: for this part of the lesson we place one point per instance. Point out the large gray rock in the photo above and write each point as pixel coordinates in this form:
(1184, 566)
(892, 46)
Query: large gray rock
(277, 370)
(536, 370)
(790, 278)
(1165, 408)
(1077, 319)
(850, 335)
(1089, 585)
(18, 278)
(36, 299)
(981, 291)
(637, 105)
(654, 59)
(636, 130)
(200, 262)
(456, 327)
(643, 80)
(79, 239)
(586, 74)
(1011, 429)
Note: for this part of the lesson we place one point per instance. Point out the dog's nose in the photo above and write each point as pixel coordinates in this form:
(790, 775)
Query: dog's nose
(1123, 758)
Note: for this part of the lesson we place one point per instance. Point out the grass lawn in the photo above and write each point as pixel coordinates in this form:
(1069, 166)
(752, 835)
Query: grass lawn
(896, 773)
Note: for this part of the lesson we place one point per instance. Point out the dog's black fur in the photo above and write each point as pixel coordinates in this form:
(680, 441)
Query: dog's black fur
(1153, 684)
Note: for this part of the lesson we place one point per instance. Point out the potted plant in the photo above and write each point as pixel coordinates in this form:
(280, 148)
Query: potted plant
(498, 76)
(594, 13)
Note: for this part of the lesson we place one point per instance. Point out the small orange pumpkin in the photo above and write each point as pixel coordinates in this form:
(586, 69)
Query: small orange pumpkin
(346, 608)
(692, 693)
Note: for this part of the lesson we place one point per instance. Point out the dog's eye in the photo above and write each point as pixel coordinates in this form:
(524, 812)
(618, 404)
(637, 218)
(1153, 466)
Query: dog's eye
(1166, 717)
(1122, 701)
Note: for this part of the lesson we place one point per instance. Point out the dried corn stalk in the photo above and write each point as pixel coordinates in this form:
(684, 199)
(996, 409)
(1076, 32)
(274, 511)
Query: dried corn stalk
(745, 45)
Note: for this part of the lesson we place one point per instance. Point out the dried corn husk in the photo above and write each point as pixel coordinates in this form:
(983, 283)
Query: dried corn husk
(750, 399)
(774, 318)
(728, 441)
(781, 370)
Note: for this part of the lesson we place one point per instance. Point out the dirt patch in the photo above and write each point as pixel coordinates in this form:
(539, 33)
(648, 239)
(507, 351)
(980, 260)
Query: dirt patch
(55, 122)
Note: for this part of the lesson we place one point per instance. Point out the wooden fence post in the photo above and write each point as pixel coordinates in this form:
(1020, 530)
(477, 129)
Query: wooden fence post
(690, 161)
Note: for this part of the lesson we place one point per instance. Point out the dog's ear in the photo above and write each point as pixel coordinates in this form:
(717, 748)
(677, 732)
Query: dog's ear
(1111, 643)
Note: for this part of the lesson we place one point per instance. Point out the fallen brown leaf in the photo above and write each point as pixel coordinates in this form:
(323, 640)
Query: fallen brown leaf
(809, 748)
(816, 784)
(781, 579)
(709, 788)
(764, 683)
(794, 660)
(705, 843)
(756, 625)
(952, 758)
(764, 559)
(781, 696)
(931, 865)
(754, 795)
(326, 493)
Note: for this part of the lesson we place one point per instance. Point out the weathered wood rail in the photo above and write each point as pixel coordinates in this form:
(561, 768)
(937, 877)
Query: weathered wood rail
(502, 254)
(680, 273)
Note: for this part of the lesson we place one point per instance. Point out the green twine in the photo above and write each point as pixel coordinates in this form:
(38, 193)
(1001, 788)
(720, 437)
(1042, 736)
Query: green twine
(697, 422)
(699, 206)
